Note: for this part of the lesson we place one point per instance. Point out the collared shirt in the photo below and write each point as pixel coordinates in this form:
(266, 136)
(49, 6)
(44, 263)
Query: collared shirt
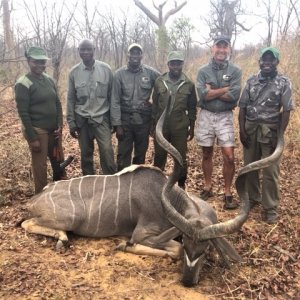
(263, 98)
(89, 93)
(219, 76)
(184, 100)
(130, 102)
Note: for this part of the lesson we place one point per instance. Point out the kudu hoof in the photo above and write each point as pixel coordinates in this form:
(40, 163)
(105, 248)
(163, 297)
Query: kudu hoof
(61, 245)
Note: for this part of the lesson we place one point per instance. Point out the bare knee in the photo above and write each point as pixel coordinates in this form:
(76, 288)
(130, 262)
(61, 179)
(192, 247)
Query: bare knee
(207, 153)
(228, 156)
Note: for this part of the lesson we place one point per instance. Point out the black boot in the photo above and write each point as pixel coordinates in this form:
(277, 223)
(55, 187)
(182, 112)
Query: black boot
(229, 203)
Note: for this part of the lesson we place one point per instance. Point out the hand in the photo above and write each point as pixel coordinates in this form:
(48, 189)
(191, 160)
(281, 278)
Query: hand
(35, 146)
(274, 143)
(245, 139)
(191, 131)
(208, 86)
(119, 133)
(74, 132)
(58, 133)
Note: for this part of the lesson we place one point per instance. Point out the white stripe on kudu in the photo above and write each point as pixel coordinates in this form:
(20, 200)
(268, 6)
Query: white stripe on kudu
(117, 202)
(79, 187)
(100, 205)
(72, 203)
(51, 200)
(130, 196)
(91, 204)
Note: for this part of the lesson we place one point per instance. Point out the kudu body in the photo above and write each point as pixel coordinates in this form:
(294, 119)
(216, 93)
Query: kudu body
(141, 203)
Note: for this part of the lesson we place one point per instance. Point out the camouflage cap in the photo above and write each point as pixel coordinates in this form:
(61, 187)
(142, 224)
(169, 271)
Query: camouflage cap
(135, 45)
(221, 38)
(175, 55)
(272, 50)
(37, 53)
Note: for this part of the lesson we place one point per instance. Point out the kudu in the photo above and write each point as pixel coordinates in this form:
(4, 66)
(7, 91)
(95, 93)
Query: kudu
(141, 203)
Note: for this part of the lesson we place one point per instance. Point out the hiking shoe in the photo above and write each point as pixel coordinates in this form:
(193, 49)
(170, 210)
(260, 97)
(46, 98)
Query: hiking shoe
(205, 194)
(229, 203)
(270, 217)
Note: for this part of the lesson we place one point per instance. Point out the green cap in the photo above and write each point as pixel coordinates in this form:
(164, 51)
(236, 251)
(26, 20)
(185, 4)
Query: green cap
(175, 55)
(272, 50)
(37, 53)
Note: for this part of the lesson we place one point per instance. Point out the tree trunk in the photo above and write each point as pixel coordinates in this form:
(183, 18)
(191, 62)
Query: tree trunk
(8, 39)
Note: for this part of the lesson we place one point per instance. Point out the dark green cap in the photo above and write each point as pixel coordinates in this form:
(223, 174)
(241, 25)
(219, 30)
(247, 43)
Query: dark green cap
(37, 53)
(175, 55)
(272, 50)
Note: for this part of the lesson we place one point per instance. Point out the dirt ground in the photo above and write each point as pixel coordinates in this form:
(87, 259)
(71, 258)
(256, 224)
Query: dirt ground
(30, 268)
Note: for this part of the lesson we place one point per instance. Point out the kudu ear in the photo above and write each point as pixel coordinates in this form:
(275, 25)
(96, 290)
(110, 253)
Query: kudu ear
(225, 249)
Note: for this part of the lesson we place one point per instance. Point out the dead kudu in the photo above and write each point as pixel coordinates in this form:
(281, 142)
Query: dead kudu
(142, 204)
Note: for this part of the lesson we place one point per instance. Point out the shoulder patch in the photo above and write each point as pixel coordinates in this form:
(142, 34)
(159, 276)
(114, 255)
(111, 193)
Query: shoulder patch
(24, 80)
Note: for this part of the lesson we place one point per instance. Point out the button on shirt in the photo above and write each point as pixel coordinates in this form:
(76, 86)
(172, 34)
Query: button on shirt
(89, 93)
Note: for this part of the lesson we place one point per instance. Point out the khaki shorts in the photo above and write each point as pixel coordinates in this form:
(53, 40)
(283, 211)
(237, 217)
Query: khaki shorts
(210, 125)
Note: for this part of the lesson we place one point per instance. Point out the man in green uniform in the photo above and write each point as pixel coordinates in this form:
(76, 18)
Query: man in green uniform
(178, 128)
(264, 96)
(88, 107)
(131, 107)
(218, 87)
(40, 111)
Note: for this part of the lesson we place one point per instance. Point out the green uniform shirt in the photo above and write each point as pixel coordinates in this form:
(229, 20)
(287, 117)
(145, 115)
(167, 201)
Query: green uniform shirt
(130, 102)
(263, 98)
(183, 100)
(89, 93)
(38, 104)
(218, 76)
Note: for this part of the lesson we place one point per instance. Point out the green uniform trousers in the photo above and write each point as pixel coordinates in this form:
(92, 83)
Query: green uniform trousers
(178, 139)
(135, 137)
(102, 134)
(39, 159)
(261, 136)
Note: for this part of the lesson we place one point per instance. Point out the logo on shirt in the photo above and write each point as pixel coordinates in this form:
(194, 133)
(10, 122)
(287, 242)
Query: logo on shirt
(145, 79)
(227, 77)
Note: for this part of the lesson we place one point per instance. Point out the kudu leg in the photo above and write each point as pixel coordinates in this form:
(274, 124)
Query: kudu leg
(146, 241)
(31, 226)
(171, 249)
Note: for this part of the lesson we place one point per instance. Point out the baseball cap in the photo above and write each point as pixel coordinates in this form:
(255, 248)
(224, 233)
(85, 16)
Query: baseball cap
(37, 53)
(135, 45)
(273, 51)
(175, 55)
(221, 38)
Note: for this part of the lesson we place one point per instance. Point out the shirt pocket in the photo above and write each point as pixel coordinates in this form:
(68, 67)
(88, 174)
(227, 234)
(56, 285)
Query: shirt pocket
(101, 89)
(82, 93)
(145, 88)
